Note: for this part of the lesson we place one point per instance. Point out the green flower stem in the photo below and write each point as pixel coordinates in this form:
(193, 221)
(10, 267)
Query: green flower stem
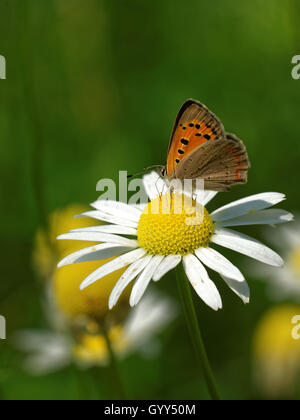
(114, 368)
(194, 330)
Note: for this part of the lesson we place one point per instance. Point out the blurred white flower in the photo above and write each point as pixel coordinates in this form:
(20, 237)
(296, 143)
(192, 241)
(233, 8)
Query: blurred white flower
(48, 351)
(285, 283)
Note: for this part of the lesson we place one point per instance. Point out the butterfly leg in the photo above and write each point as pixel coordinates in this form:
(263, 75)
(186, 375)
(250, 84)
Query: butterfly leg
(166, 193)
(171, 193)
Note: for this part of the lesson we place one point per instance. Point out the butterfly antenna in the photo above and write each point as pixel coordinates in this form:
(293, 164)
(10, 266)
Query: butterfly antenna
(144, 171)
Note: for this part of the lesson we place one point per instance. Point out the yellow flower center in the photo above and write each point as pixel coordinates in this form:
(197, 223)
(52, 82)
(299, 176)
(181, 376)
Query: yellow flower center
(295, 260)
(174, 224)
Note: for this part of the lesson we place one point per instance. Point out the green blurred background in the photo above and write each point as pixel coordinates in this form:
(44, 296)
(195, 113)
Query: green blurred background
(93, 87)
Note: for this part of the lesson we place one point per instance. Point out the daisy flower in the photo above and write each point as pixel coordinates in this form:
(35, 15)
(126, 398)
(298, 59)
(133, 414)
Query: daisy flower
(284, 284)
(153, 243)
(277, 352)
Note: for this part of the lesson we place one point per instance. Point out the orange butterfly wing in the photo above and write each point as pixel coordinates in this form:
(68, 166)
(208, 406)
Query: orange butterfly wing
(194, 125)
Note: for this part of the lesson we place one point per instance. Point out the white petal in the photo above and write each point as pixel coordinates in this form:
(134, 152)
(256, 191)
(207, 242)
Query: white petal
(94, 253)
(205, 196)
(114, 265)
(130, 274)
(98, 215)
(140, 207)
(154, 185)
(247, 205)
(98, 237)
(167, 264)
(144, 279)
(217, 262)
(200, 281)
(118, 209)
(119, 230)
(239, 288)
(248, 246)
(264, 217)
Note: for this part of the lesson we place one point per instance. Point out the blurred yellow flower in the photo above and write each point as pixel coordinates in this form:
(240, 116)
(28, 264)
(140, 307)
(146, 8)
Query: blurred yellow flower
(92, 349)
(277, 352)
(47, 250)
(91, 302)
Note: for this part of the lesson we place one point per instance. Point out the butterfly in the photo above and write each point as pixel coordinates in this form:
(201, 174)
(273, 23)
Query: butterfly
(201, 149)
